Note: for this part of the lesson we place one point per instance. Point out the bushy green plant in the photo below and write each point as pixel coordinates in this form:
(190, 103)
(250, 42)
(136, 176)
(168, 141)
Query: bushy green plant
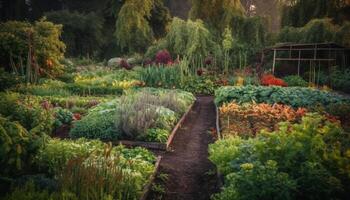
(31, 192)
(293, 96)
(295, 81)
(47, 47)
(340, 80)
(62, 116)
(8, 80)
(199, 85)
(98, 124)
(263, 181)
(28, 111)
(310, 159)
(189, 39)
(17, 147)
(141, 112)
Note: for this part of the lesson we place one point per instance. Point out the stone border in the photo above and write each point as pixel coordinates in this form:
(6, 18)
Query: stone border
(151, 179)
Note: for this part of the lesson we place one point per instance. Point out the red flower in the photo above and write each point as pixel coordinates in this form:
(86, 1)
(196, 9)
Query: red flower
(124, 64)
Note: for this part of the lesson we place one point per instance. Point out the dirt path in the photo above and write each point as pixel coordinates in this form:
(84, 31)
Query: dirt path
(190, 174)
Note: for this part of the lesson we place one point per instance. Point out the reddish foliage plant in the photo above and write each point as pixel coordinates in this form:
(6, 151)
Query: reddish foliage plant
(163, 57)
(271, 80)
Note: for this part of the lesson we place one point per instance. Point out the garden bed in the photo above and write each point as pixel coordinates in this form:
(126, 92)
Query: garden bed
(156, 145)
(151, 179)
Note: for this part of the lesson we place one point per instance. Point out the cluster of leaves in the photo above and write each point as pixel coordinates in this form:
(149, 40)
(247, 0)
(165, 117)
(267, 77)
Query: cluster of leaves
(90, 169)
(132, 115)
(295, 81)
(316, 31)
(82, 33)
(271, 80)
(309, 160)
(17, 147)
(62, 117)
(24, 125)
(300, 12)
(8, 80)
(98, 123)
(187, 38)
(47, 46)
(28, 112)
(250, 119)
(293, 96)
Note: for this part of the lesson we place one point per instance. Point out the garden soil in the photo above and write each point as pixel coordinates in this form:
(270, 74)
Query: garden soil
(190, 175)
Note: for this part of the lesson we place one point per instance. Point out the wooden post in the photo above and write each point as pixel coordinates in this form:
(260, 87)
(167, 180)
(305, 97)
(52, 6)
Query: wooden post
(299, 63)
(274, 61)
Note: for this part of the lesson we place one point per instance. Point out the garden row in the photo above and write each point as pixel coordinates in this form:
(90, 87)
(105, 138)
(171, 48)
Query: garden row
(282, 143)
(38, 163)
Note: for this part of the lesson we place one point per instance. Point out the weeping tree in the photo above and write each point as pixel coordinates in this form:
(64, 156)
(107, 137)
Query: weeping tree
(188, 39)
(299, 12)
(133, 31)
(217, 13)
(317, 31)
(139, 22)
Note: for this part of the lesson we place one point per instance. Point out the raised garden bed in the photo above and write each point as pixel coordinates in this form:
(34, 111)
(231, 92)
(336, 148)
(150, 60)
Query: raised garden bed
(151, 179)
(156, 145)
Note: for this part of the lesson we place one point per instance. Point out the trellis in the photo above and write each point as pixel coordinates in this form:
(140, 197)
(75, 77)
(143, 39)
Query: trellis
(329, 53)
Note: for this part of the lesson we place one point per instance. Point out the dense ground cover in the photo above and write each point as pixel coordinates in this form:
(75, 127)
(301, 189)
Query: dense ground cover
(271, 140)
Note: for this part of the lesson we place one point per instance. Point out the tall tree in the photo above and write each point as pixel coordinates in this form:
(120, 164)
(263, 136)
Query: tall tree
(217, 13)
(300, 12)
(133, 31)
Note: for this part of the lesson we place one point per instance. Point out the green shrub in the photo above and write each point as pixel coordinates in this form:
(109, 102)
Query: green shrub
(98, 124)
(28, 112)
(295, 81)
(17, 147)
(293, 96)
(46, 39)
(311, 160)
(57, 153)
(340, 80)
(199, 85)
(258, 181)
(8, 80)
(62, 116)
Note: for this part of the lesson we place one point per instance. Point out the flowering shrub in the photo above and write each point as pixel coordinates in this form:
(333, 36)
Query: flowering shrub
(271, 80)
(163, 57)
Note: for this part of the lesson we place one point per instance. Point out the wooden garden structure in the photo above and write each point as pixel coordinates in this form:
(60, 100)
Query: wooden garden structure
(325, 54)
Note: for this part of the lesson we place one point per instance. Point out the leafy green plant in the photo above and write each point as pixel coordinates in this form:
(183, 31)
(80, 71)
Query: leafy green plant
(293, 96)
(28, 112)
(16, 147)
(98, 124)
(62, 116)
(310, 159)
(294, 80)
(199, 85)
(157, 135)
